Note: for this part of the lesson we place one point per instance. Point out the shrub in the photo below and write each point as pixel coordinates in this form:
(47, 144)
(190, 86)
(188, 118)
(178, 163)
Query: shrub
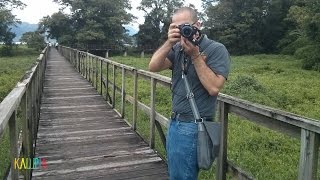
(310, 56)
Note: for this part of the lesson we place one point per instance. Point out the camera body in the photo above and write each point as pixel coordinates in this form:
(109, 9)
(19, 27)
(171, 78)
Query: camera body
(188, 31)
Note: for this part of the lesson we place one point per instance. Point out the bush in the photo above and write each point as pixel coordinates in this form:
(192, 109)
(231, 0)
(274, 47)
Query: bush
(310, 56)
(291, 48)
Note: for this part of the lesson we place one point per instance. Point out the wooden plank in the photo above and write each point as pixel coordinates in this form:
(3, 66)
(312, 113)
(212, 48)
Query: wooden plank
(222, 158)
(114, 86)
(152, 112)
(96, 72)
(101, 76)
(135, 100)
(309, 153)
(13, 145)
(123, 96)
(238, 173)
(265, 121)
(289, 118)
(25, 132)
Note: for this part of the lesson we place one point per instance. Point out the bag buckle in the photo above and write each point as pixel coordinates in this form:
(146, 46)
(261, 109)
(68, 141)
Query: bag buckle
(198, 120)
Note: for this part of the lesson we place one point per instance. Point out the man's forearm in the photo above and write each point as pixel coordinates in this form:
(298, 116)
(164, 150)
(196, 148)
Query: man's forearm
(207, 77)
(158, 59)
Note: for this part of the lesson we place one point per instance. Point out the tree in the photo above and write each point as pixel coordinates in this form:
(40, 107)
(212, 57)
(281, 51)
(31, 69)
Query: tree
(157, 20)
(34, 40)
(90, 22)
(7, 20)
(247, 27)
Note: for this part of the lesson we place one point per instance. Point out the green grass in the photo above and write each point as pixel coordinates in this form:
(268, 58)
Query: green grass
(273, 80)
(12, 70)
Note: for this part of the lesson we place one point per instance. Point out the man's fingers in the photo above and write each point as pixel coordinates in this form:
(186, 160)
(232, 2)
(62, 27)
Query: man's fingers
(173, 26)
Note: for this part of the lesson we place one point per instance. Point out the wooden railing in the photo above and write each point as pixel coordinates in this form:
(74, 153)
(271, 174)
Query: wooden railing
(24, 99)
(308, 130)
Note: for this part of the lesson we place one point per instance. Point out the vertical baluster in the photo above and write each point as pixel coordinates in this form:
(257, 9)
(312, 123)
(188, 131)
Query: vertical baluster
(152, 112)
(135, 99)
(222, 158)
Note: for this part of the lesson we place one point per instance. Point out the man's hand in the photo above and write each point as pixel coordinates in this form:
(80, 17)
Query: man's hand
(173, 34)
(189, 48)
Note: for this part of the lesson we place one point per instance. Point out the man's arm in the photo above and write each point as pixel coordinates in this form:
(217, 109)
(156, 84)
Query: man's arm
(159, 60)
(211, 81)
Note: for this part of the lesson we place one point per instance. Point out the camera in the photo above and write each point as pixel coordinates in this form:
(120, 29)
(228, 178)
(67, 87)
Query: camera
(187, 31)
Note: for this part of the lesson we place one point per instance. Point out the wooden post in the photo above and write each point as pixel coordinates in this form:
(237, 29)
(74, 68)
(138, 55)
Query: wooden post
(107, 82)
(142, 54)
(101, 78)
(135, 99)
(29, 118)
(13, 145)
(86, 65)
(25, 132)
(125, 53)
(114, 87)
(152, 112)
(308, 164)
(107, 54)
(222, 158)
(123, 97)
(96, 74)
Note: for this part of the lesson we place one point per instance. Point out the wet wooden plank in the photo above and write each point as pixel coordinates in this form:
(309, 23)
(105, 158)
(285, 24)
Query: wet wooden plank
(81, 137)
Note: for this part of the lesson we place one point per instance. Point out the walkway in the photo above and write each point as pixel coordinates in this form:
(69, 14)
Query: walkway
(81, 137)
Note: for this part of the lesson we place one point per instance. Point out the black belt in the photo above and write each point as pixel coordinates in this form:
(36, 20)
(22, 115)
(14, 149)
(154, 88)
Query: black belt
(187, 117)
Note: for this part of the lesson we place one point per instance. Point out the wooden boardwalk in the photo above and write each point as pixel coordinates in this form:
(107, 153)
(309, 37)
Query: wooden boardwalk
(81, 137)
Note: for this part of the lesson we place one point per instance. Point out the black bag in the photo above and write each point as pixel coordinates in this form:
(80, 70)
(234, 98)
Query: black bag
(208, 143)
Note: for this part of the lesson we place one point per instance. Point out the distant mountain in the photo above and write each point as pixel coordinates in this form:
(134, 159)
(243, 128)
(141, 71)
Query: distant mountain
(22, 28)
(27, 27)
(131, 30)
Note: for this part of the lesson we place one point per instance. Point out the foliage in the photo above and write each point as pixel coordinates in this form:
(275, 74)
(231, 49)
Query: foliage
(272, 80)
(157, 20)
(247, 27)
(34, 40)
(90, 22)
(7, 19)
(310, 56)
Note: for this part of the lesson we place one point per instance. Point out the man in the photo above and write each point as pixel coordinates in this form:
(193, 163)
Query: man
(207, 68)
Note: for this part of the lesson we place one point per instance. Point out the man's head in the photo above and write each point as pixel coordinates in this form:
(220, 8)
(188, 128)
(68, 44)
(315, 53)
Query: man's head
(186, 15)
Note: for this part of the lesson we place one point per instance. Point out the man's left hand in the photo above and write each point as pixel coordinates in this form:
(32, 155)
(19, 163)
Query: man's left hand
(189, 48)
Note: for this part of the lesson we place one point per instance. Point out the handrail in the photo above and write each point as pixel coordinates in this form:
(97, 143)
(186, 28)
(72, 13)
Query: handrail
(27, 95)
(307, 129)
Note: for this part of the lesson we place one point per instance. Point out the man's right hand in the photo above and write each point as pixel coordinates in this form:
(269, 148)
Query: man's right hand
(173, 34)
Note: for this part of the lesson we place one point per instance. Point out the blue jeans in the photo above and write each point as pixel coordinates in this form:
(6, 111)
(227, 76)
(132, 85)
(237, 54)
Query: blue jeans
(182, 150)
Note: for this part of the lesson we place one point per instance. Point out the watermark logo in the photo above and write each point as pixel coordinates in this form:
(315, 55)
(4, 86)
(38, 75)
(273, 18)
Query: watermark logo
(30, 163)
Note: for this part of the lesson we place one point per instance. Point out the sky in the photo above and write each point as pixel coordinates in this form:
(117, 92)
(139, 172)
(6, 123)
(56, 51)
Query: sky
(36, 9)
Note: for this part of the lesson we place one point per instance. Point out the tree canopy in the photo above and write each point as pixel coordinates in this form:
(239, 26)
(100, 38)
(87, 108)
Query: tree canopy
(90, 21)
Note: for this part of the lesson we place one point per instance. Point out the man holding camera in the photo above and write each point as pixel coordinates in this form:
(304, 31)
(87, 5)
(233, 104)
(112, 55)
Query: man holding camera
(206, 63)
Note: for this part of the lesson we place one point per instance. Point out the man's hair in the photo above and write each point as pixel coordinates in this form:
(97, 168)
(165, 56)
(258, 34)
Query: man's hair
(192, 12)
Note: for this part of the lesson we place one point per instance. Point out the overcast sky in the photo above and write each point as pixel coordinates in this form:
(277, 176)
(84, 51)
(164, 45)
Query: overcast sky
(36, 9)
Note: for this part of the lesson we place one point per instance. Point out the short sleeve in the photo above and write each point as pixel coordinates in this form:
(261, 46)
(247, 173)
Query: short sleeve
(171, 55)
(219, 60)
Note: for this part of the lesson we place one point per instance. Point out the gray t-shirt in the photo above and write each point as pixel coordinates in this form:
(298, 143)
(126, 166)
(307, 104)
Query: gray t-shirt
(218, 60)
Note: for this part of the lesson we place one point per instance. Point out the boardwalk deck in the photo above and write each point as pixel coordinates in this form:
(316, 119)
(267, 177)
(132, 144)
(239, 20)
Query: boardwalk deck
(81, 137)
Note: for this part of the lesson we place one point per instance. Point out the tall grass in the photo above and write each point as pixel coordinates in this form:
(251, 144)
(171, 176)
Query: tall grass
(272, 80)
(12, 70)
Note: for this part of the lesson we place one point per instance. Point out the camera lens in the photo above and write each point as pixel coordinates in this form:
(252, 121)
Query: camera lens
(187, 31)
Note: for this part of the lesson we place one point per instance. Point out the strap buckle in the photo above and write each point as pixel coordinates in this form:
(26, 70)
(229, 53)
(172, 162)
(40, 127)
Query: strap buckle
(198, 120)
(190, 95)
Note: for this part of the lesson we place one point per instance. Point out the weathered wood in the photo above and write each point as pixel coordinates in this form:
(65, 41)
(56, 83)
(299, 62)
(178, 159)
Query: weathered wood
(288, 118)
(114, 86)
(123, 96)
(163, 80)
(101, 76)
(135, 100)
(96, 74)
(13, 145)
(265, 121)
(95, 140)
(152, 112)
(309, 153)
(161, 134)
(238, 173)
(25, 132)
(222, 158)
